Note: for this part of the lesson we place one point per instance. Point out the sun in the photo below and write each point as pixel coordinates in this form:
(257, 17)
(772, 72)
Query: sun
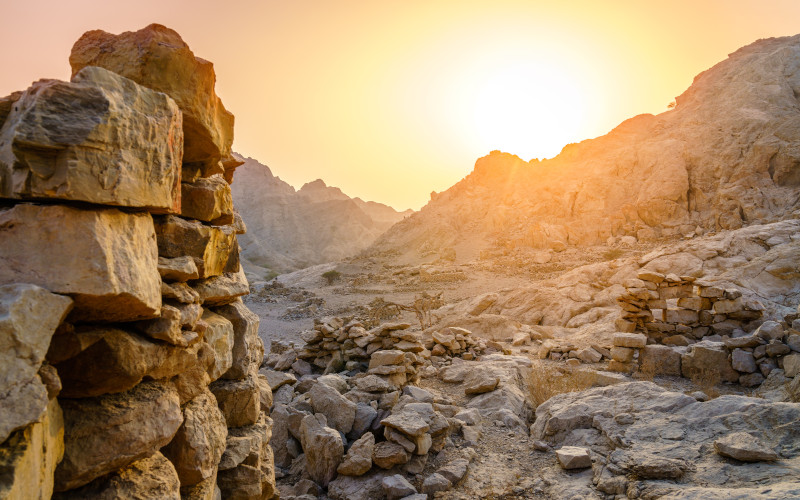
(530, 109)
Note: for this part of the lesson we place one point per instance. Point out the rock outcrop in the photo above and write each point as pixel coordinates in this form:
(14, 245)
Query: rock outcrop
(724, 157)
(128, 363)
(288, 229)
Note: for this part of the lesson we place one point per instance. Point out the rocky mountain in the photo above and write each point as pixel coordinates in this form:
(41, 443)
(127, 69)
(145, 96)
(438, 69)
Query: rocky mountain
(725, 156)
(290, 229)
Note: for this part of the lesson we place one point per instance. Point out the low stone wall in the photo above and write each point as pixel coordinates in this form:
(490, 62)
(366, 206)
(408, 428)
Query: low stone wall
(128, 361)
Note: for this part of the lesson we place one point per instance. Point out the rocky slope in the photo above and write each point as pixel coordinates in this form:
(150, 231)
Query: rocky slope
(727, 155)
(289, 229)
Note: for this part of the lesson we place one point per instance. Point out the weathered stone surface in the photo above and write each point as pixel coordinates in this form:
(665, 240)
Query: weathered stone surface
(622, 354)
(178, 268)
(407, 422)
(660, 360)
(179, 292)
(158, 58)
(387, 454)
(396, 487)
(770, 330)
(206, 489)
(634, 340)
(366, 487)
(213, 248)
(743, 361)
(29, 457)
(110, 270)
(219, 335)
(479, 381)
(100, 139)
(744, 447)
(248, 349)
(244, 482)
(28, 317)
(365, 415)
(150, 477)
(455, 471)
(573, 457)
(239, 400)
(434, 484)
(791, 365)
(208, 199)
(358, 459)
(276, 379)
(167, 327)
(108, 432)
(323, 448)
(708, 360)
(224, 289)
(199, 443)
(265, 394)
(339, 411)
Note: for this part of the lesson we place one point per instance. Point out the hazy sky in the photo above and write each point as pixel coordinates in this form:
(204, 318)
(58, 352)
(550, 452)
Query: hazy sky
(391, 100)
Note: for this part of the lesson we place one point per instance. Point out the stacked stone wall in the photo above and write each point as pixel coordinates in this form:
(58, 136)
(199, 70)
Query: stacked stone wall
(128, 361)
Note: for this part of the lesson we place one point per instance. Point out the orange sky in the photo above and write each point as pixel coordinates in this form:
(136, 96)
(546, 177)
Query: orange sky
(390, 100)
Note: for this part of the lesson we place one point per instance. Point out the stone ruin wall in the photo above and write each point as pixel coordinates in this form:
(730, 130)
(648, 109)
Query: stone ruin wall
(690, 328)
(128, 361)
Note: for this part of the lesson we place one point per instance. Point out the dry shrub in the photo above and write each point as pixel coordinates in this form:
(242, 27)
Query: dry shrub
(546, 382)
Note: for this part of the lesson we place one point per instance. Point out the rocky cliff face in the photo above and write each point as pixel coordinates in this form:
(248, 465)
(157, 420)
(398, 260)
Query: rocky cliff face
(128, 361)
(726, 156)
(290, 229)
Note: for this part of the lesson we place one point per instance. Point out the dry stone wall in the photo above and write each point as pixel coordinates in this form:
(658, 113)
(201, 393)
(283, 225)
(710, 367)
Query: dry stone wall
(128, 361)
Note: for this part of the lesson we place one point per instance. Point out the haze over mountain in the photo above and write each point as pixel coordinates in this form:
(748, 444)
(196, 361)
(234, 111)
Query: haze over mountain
(290, 229)
(727, 155)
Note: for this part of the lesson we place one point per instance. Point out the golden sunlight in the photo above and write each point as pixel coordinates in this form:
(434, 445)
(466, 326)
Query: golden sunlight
(532, 109)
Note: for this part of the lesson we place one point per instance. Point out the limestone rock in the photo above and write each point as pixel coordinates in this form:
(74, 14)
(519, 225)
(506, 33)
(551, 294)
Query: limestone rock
(386, 455)
(265, 394)
(358, 459)
(199, 443)
(213, 248)
(224, 289)
(167, 327)
(247, 346)
(323, 448)
(743, 361)
(479, 381)
(396, 487)
(791, 365)
(660, 360)
(179, 292)
(708, 360)
(634, 340)
(339, 411)
(455, 471)
(178, 268)
(108, 432)
(28, 317)
(573, 457)
(207, 199)
(219, 335)
(157, 57)
(242, 482)
(239, 400)
(366, 487)
(110, 270)
(206, 489)
(100, 139)
(744, 447)
(150, 477)
(434, 484)
(29, 457)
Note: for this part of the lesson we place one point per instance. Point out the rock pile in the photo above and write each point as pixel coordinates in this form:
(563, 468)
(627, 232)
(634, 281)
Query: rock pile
(128, 362)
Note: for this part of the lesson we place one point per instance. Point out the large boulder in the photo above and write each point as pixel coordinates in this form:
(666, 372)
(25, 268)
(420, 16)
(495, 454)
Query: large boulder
(150, 477)
(199, 443)
(28, 317)
(109, 432)
(110, 270)
(323, 448)
(29, 457)
(100, 139)
(213, 248)
(158, 58)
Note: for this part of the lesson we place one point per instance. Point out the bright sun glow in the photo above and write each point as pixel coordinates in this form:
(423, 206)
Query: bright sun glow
(532, 110)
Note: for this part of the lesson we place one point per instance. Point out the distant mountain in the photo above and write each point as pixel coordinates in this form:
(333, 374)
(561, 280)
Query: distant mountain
(290, 229)
(726, 156)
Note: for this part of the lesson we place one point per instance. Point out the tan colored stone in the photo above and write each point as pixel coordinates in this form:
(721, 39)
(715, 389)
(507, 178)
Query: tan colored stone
(100, 139)
(108, 432)
(158, 58)
(213, 248)
(178, 268)
(208, 199)
(199, 443)
(29, 316)
(219, 335)
(358, 459)
(239, 400)
(339, 411)
(150, 477)
(248, 349)
(224, 289)
(29, 457)
(323, 448)
(386, 455)
(110, 270)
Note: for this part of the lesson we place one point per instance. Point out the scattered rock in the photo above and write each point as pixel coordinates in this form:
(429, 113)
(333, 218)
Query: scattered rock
(573, 457)
(744, 447)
